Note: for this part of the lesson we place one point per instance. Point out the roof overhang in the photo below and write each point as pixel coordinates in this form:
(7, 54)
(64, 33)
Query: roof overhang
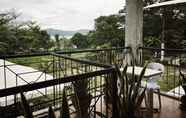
(167, 3)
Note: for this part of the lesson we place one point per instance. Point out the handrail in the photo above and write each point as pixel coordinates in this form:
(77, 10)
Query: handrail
(48, 83)
(166, 49)
(92, 50)
(82, 61)
(60, 52)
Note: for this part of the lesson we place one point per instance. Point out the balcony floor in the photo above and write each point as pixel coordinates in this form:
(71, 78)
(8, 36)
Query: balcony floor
(170, 108)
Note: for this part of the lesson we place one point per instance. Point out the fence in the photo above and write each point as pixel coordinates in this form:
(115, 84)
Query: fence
(43, 84)
(89, 72)
(174, 61)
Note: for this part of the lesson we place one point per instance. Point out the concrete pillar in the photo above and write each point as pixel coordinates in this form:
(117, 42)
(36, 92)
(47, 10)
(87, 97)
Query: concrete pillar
(134, 26)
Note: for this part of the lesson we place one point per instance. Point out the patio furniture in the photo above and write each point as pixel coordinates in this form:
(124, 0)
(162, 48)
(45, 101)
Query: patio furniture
(151, 82)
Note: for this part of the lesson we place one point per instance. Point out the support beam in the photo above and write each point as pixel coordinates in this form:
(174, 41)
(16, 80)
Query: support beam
(134, 25)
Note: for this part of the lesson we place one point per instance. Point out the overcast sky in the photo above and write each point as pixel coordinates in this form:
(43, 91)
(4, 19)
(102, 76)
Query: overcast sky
(63, 14)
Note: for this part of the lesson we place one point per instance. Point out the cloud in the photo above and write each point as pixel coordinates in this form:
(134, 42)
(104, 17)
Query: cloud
(63, 14)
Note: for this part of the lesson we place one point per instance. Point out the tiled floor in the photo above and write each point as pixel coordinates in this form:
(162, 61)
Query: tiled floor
(170, 108)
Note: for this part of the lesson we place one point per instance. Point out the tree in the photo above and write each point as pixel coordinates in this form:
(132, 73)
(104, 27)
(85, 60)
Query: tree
(109, 29)
(172, 18)
(66, 44)
(7, 32)
(58, 45)
(151, 42)
(21, 37)
(80, 40)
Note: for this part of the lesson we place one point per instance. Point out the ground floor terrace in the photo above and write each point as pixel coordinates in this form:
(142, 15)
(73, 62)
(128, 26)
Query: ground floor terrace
(43, 76)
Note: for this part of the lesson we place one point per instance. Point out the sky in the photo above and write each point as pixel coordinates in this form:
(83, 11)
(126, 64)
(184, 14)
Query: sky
(62, 14)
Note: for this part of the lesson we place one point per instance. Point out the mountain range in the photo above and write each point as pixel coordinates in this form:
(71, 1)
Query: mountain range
(64, 33)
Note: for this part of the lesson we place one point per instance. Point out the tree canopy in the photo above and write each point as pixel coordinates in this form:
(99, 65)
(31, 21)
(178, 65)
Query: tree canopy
(80, 40)
(108, 32)
(21, 37)
(167, 24)
(160, 24)
(109, 29)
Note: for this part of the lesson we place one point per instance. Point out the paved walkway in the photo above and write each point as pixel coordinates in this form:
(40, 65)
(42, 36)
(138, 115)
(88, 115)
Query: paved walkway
(178, 92)
(24, 76)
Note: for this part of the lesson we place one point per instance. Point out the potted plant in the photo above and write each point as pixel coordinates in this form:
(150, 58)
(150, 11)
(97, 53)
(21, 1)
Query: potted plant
(130, 94)
(81, 99)
(27, 112)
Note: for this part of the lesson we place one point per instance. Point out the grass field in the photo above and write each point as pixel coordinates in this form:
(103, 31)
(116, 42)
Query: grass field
(170, 78)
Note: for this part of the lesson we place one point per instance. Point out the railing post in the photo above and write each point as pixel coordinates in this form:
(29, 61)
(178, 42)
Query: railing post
(53, 73)
(5, 79)
(139, 52)
(110, 57)
(114, 95)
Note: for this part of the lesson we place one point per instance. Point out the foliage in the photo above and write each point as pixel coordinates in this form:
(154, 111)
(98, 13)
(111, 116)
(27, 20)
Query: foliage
(19, 37)
(152, 42)
(109, 30)
(175, 36)
(65, 108)
(80, 40)
(82, 99)
(131, 94)
(66, 44)
(51, 113)
(58, 47)
(100, 114)
(167, 24)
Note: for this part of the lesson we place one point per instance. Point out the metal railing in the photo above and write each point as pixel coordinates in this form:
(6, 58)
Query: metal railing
(174, 61)
(51, 72)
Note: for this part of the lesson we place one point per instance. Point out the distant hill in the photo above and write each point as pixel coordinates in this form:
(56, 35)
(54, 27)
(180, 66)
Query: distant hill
(53, 32)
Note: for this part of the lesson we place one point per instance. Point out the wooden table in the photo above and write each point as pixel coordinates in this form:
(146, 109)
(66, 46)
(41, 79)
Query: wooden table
(148, 73)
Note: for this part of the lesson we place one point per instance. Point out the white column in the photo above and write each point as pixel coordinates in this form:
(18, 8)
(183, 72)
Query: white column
(134, 25)
(162, 51)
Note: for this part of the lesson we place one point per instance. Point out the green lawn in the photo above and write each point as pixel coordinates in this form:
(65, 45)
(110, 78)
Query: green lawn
(170, 79)
(35, 62)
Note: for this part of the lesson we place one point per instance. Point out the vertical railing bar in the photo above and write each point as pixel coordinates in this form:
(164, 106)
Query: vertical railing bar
(57, 77)
(180, 56)
(56, 90)
(53, 78)
(15, 96)
(46, 87)
(114, 95)
(167, 76)
(95, 87)
(106, 90)
(5, 79)
(65, 63)
(89, 87)
(101, 89)
(174, 80)
(59, 74)
(179, 72)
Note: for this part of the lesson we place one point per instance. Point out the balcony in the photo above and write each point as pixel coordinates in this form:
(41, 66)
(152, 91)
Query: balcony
(43, 76)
